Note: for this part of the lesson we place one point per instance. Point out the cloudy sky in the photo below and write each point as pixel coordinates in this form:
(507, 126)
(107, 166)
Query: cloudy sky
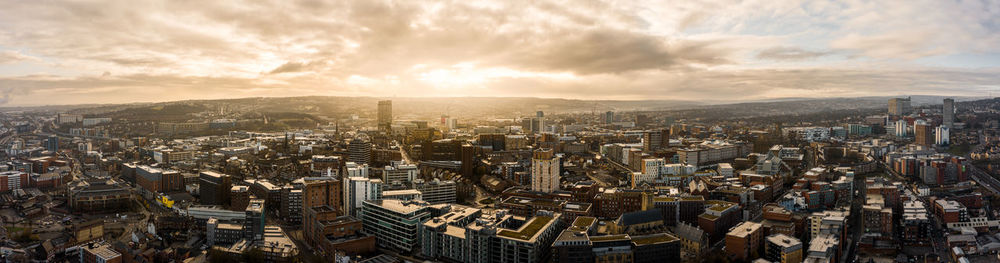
(72, 52)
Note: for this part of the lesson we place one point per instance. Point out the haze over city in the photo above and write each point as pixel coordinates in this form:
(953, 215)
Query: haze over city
(72, 52)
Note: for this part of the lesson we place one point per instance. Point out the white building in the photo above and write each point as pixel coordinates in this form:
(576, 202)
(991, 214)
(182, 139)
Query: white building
(359, 189)
(942, 135)
(544, 171)
(811, 134)
(901, 128)
(726, 170)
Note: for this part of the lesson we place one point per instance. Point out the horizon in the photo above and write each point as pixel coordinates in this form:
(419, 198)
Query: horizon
(58, 53)
(692, 102)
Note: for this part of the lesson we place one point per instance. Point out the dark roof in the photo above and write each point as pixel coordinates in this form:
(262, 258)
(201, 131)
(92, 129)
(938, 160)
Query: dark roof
(640, 217)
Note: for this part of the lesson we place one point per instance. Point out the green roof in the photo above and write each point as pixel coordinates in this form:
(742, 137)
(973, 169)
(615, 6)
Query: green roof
(708, 216)
(528, 230)
(584, 221)
(653, 239)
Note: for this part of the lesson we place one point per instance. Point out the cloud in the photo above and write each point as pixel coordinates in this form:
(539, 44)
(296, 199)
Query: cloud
(789, 53)
(587, 49)
(10, 56)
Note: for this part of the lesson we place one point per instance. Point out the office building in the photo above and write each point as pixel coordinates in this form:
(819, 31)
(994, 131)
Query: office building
(782, 248)
(214, 188)
(609, 117)
(948, 113)
(399, 174)
(291, 204)
(394, 223)
(52, 143)
(218, 233)
(545, 171)
(357, 190)
(901, 127)
(384, 118)
(899, 106)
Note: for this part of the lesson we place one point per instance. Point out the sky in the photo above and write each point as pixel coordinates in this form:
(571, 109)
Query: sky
(81, 52)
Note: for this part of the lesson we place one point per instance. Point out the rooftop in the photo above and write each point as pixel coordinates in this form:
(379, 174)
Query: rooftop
(744, 229)
(529, 230)
(654, 239)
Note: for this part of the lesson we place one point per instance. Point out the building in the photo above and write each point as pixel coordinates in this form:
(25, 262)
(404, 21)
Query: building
(99, 253)
(655, 140)
(322, 191)
(437, 191)
(545, 171)
(384, 118)
(782, 248)
(239, 197)
(214, 187)
(950, 211)
(744, 241)
(400, 174)
(330, 233)
(222, 233)
(357, 190)
(394, 223)
(948, 113)
(900, 128)
(13, 180)
(924, 134)
(291, 205)
(899, 106)
(609, 117)
(256, 219)
(693, 240)
(942, 135)
(359, 151)
(98, 195)
(52, 143)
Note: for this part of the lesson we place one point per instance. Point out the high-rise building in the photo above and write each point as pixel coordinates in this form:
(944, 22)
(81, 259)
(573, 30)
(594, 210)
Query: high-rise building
(214, 187)
(948, 113)
(437, 191)
(899, 106)
(609, 117)
(923, 134)
(52, 143)
(359, 151)
(545, 171)
(654, 140)
(385, 115)
(900, 128)
(357, 190)
(942, 135)
(239, 197)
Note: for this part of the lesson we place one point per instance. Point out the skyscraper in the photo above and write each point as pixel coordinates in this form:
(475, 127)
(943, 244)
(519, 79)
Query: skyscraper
(214, 188)
(899, 106)
(544, 171)
(385, 115)
(948, 113)
(52, 143)
(609, 117)
(357, 190)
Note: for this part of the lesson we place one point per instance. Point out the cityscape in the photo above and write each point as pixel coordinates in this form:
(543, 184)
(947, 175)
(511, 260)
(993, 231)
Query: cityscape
(485, 131)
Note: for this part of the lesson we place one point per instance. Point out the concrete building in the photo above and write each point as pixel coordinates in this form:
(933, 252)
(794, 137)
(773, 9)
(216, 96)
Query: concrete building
(256, 219)
(545, 171)
(99, 253)
(359, 151)
(923, 134)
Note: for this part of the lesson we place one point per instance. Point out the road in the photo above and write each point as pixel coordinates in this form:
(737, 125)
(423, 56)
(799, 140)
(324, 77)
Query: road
(854, 219)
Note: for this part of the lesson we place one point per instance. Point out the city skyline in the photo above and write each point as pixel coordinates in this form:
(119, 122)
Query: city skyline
(119, 52)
